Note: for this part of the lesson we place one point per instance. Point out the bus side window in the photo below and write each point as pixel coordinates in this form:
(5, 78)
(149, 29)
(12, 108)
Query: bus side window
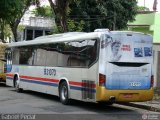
(82, 53)
(9, 56)
(39, 56)
(93, 52)
(51, 55)
(77, 55)
(25, 56)
(15, 56)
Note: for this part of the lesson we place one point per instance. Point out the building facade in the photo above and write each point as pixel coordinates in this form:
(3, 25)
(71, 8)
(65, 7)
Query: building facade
(38, 26)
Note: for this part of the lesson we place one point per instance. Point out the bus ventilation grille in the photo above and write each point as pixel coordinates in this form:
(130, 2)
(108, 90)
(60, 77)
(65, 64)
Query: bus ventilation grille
(88, 90)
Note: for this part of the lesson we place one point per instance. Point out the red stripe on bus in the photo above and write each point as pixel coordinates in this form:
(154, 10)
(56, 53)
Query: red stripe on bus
(9, 75)
(39, 78)
(75, 83)
(54, 80)
(82, 84)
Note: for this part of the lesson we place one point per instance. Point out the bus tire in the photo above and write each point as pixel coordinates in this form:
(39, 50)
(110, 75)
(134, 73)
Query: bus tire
(64, 93)
(16, 85)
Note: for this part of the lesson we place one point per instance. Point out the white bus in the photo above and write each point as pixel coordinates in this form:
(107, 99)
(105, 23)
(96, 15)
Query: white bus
(104, 66)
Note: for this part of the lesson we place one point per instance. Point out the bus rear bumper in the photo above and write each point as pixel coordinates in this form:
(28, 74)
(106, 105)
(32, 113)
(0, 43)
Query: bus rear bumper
(102, 94)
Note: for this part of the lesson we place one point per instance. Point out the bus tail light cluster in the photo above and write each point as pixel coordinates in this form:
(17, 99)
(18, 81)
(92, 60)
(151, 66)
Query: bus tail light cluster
(152, 81)
(102, 79)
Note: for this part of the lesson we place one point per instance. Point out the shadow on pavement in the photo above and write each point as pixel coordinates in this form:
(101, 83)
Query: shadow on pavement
(78, 105)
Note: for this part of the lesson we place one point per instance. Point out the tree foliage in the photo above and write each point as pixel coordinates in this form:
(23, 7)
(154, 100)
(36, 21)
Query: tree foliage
(142, 8)
(72, 15)
(74, 26)
(112, 14)
(43, 11)
(8, 8)
(11, 12)
(15, 18)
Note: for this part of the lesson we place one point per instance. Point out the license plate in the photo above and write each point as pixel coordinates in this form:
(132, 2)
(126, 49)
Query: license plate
(128, 95)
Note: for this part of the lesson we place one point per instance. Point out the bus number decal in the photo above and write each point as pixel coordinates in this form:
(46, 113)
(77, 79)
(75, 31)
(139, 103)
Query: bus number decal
(50, 72)
(134, 84)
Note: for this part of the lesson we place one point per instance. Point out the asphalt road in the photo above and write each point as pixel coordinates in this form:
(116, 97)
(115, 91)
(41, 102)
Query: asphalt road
(34, 105)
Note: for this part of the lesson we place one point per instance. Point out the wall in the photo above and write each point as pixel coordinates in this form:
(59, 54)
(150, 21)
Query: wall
(149, 23)
(156, 65)
(156, 35)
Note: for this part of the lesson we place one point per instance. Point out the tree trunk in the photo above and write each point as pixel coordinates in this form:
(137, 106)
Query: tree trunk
(53, 7)
(14, 27)
(60, 11)
(2, 30)
(2, 33)
(64, 24)
(14, 31)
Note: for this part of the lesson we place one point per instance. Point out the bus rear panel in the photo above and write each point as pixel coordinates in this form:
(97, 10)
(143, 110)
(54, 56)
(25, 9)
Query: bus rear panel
(126, 62)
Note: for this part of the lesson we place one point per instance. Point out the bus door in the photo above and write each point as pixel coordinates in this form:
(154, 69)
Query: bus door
(127, 61)
(8, 56)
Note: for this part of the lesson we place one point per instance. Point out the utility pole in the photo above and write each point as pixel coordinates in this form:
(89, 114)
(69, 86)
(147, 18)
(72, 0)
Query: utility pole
(114, 21)
(155, 5)
(144, 3)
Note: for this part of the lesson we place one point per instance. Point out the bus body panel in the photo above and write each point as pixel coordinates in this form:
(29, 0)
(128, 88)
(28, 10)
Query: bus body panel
(122, 77)
(46, 79)
(37, 78)
(126, 61)
(104, 94)
(129, 47)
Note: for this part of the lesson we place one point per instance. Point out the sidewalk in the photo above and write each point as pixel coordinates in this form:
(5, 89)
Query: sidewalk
(153, 105)
(150, 105)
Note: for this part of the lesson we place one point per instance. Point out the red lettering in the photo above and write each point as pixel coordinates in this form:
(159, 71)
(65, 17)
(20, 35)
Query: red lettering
(126, 48)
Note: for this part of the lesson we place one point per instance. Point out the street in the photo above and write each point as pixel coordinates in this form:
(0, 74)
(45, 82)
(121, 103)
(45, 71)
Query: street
(48, 106)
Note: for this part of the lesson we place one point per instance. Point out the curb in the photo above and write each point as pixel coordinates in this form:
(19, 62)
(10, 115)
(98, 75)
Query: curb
(146, 107)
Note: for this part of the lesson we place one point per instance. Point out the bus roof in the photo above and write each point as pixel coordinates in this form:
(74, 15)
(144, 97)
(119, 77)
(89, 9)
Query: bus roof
(64, 37)
(130, 32)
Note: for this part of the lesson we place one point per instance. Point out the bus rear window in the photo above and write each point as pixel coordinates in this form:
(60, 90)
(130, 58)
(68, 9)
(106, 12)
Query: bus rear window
(128, 64)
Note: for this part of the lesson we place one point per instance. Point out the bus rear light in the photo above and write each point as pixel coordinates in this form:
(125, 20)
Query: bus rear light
(102, 79)
(152, 81)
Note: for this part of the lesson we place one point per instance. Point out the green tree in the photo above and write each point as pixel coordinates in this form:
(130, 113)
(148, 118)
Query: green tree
(75, 26)
(5, 31)
(44, 11)
(142, 8)
(11, 12)
(7, 8)
(18, 14)
(112, 14)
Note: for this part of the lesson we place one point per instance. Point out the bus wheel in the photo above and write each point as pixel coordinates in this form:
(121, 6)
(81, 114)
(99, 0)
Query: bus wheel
(63, 93)
(16, 85)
